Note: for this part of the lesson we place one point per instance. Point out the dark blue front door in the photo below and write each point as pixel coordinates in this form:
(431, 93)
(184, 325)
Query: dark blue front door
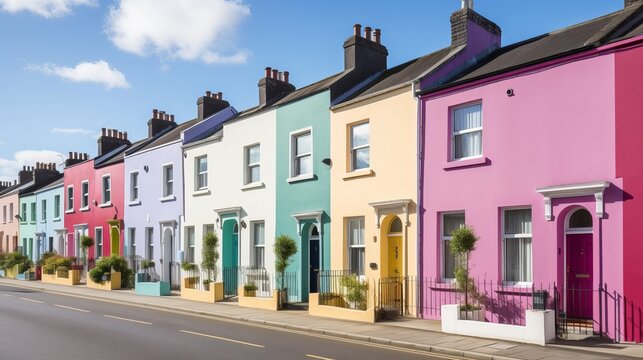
(314, 265)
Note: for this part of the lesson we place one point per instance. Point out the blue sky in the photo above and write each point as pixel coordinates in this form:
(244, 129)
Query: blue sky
(145, 54)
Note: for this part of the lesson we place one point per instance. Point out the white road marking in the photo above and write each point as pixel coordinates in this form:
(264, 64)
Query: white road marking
(130, 320)
(32, 300)
(71, 308)
(318, 357)
(222, 338)
(8, 295)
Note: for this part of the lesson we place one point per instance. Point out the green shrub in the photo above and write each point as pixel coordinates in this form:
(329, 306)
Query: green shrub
(356, 291)
(462, 243)
(86, 242)
(115, 263)
(55, 262)
(285, 247)
(46, 255)
(251, 286)
(210, 255)
(3, 258)
(16, 258)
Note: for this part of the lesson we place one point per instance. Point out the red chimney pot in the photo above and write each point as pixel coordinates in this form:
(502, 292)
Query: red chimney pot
(268, 71)
(357, 30)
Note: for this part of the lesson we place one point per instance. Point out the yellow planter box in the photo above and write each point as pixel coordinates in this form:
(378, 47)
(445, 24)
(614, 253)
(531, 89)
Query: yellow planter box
(113, 284)
(271, 303)
(73, 278)
(12, 272)
(333, 312)
(213, 295)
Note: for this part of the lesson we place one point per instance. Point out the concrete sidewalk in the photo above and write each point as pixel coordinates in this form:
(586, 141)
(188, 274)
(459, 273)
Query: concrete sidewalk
(410, 333)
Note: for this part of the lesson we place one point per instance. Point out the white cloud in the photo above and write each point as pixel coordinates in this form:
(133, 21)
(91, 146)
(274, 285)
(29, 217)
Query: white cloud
(44, 8)
(9, 167)
(187, 30)
(99, 72)
(72, 131)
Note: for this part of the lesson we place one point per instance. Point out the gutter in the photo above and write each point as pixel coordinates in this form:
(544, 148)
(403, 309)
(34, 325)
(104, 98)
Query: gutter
(418, 211)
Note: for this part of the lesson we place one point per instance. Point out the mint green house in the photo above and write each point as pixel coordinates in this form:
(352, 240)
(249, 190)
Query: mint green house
(303, 159)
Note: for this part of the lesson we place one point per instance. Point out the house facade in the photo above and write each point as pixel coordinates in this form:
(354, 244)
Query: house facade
(10, 203)
(49, 216)
(533, 150)
(154, 196)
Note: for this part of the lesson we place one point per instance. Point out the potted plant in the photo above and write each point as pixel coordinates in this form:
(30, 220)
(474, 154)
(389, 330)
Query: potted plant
(462, 243)
(210, 255)
(356, 291)
(285, 247)
(85, 243)
(250, 289)
(190, 269)
(146, 265)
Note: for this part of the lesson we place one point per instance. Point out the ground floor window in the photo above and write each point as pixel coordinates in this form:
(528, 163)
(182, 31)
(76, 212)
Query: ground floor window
(259, 242)
(356, 251)
(98, 234)
(450, 222)
(190, 250)
(517, 245)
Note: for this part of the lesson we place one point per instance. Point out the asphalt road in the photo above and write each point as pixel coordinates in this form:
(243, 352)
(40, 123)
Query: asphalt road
(40, 325)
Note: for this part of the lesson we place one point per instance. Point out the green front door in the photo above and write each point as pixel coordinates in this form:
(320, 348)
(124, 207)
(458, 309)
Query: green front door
(230, 256)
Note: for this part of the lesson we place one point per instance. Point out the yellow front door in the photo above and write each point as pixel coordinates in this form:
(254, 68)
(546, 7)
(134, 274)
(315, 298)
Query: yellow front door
(395, 253)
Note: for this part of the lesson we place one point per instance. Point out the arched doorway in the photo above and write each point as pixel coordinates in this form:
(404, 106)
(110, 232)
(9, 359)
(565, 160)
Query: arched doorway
(579, 264)
(395, 248)
(313, 258)
(230, 248)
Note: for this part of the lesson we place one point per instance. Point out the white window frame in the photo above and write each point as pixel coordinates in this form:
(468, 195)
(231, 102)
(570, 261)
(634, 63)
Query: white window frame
(166, 194)
(362, 220)
(10, 212)
(197, 173)
(43, 211)
(248, 166)
(56, 207)
(131, 245)
(504, 237)
(149, 243)
(23, 212)
(293, 154)
(134, 187)
(190, 249)
(256, 246)
(352, 148)
(98, 248)
(4, 214)
(34, 212)
(444, 238)
(84, 206)
(104, 191)
(454, 133)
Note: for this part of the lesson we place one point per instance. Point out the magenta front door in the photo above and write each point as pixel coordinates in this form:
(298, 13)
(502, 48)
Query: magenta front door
(579, 276)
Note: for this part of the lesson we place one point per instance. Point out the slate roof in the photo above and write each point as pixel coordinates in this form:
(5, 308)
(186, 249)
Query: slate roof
(37, 186)
(165, 138)
(312, 89)
(209, 126)
(403, 73)
(580, 37)
(117, 155)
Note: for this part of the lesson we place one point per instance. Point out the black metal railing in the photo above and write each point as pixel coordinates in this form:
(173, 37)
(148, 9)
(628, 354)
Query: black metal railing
(256, 277)
(230, 281)
(291, 284)
(341, 288)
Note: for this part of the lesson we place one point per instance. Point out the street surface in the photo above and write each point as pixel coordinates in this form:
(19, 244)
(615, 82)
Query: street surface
(41, 325)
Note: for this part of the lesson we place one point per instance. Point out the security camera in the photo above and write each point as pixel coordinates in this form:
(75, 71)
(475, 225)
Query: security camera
(510, 92)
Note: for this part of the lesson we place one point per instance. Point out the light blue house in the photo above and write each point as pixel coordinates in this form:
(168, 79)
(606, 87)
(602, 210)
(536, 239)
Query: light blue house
(50, 227)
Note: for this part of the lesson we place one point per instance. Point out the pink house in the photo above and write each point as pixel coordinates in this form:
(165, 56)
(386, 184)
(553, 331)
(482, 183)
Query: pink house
(538, 150)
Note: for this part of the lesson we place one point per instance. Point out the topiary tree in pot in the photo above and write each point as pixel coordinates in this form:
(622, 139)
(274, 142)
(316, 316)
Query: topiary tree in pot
(85, 243)
(210, 258)
(285, 248)
(462, 243)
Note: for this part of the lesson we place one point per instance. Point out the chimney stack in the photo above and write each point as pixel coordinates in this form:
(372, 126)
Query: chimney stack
(209, 105)
(365, 54)
(44, 172)
(74, 158)
(627, 3)
(110, 141)
(467, 24)
(158, 123)
(274, 86)
(25, 175)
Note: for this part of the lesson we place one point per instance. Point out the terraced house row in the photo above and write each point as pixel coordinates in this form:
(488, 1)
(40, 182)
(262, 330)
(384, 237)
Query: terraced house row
(535, 146)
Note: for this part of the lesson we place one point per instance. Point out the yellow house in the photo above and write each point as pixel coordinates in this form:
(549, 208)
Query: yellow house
(374, 180)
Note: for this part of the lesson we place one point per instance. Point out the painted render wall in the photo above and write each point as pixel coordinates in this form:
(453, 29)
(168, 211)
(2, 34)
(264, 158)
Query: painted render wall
(629, 77)
(392, 120)
(74, 218)
(559, 128)
(305, 195)
(153, 210)
(51, 225)
(9, 229)
(28, 239)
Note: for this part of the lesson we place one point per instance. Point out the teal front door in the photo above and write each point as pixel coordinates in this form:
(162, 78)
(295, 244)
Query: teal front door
(230, 257)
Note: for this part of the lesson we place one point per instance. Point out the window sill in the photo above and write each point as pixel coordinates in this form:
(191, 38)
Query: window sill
(43, 221)
(358, 174)
(167, 198)
(134, 203)
(104, 205)
(56, 219)
(252, 186)
(33, 222)
(201, 192)
(455, 164)
(69, 211)
(301, 178)
(83, 209)
(508, 285)
(23, 223)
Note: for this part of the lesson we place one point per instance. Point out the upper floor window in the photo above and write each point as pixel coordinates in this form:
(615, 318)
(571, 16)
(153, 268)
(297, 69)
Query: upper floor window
(23, 214)
(43, 210)
(33, 212)
(4, 214)
(56, 206)
(302, 154)
(253, 169)
(360, 146)
(133, 186)
(70, 198)
(466, 132)
(11, 212)
(516, 240)
(84, 194)
(450, 222)
(107, 189)
(201, 166)
(168, 180)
